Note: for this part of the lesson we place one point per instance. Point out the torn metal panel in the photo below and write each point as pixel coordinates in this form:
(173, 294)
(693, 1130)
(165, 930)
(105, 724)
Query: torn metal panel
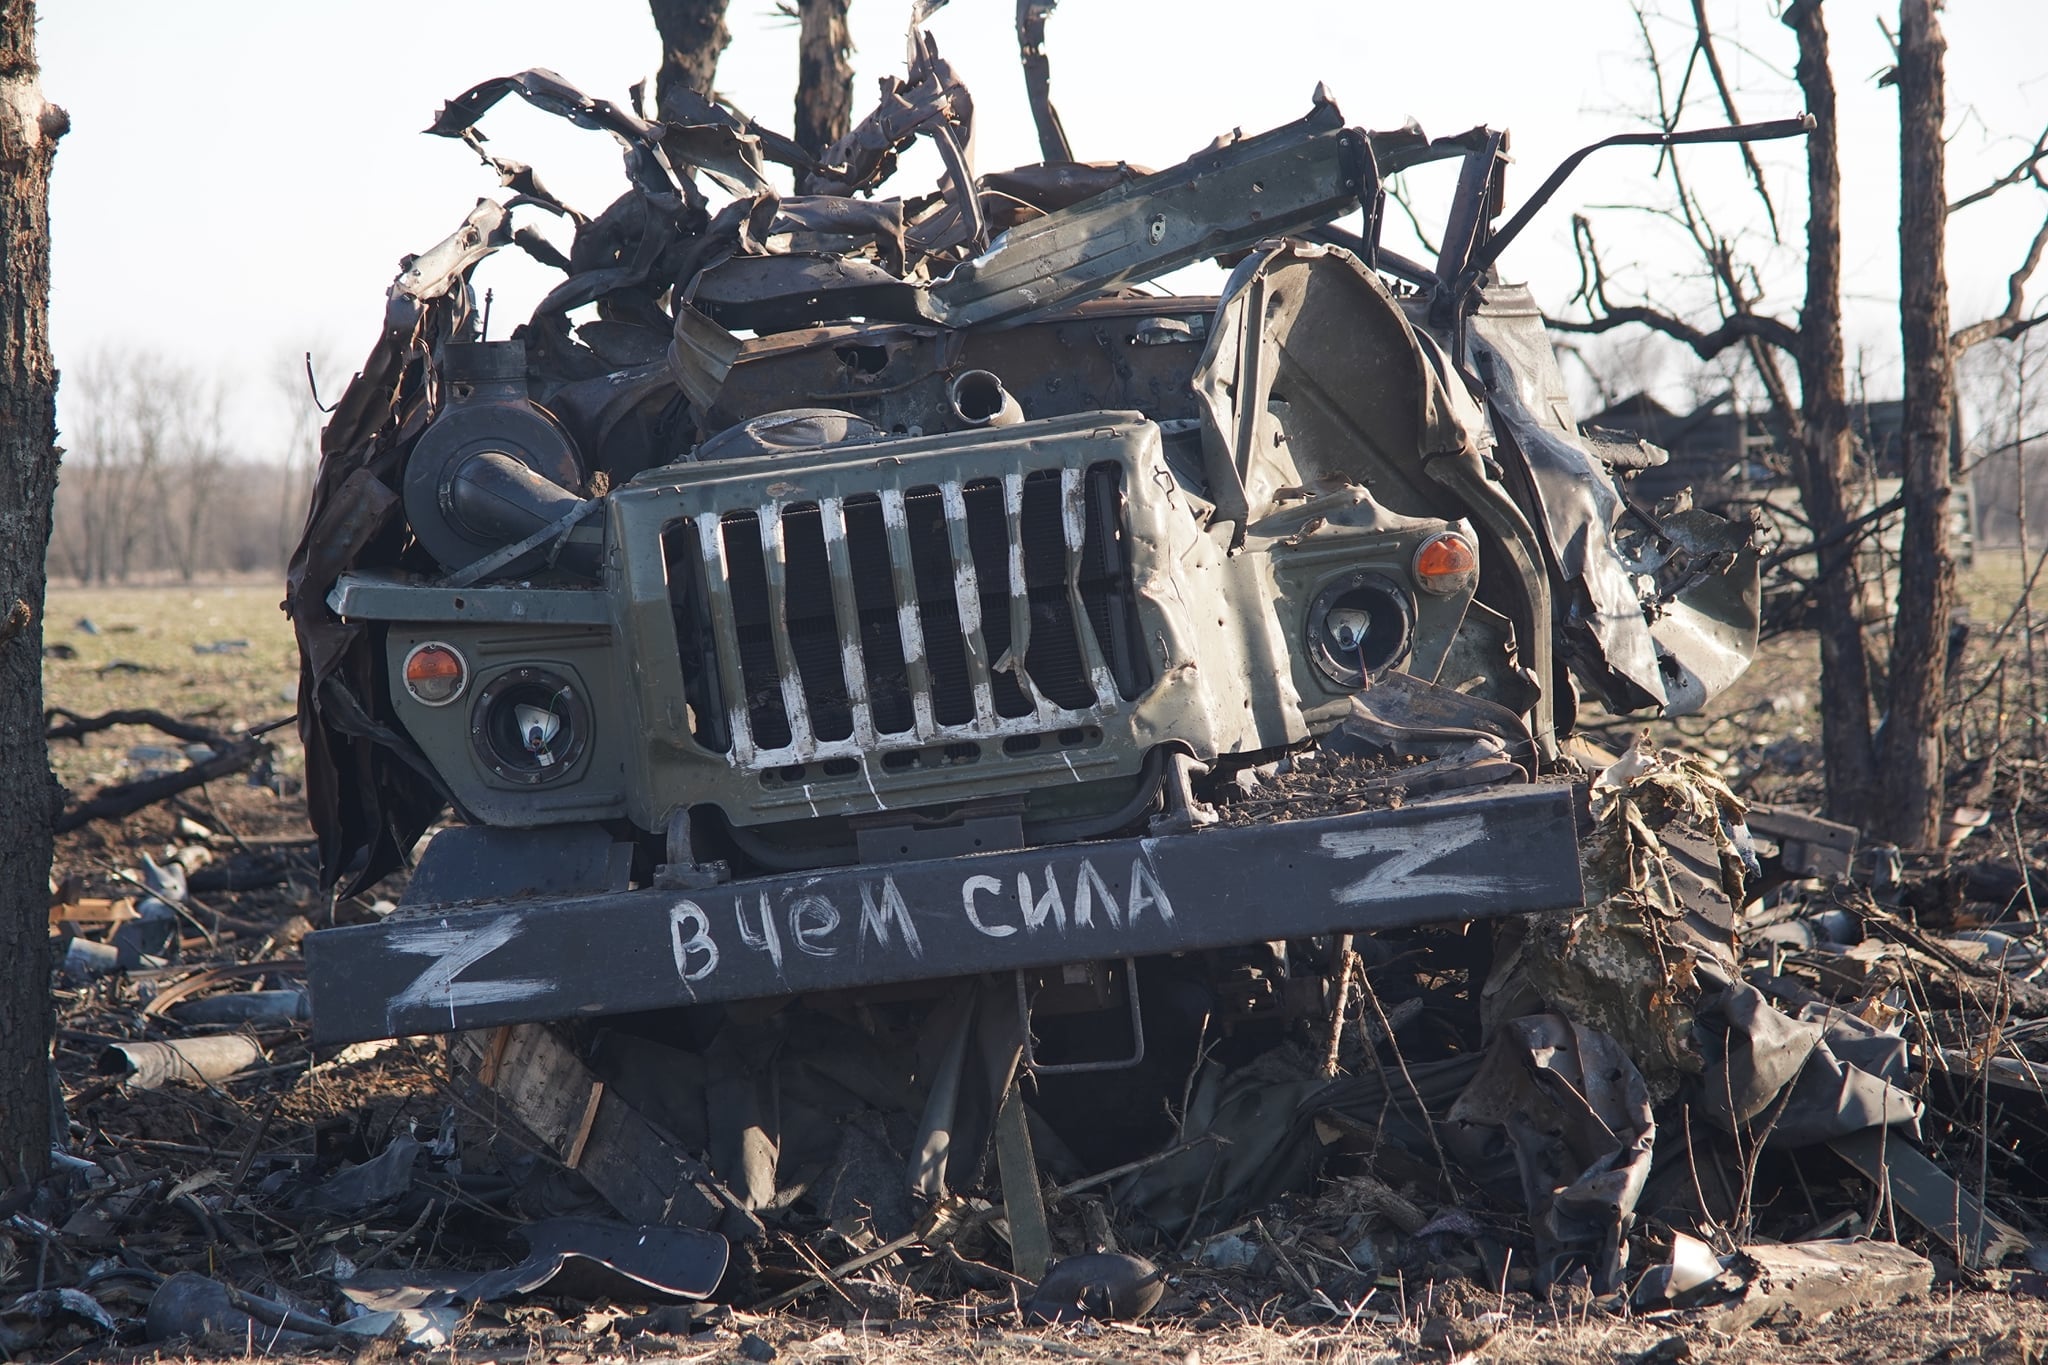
(583, 1258)
(1796, 1082)
(440, 268)
(1675, 646)
(930, 95)
(646, 163)
(800, 289)
(1931, 1197)
(1575, 1113)
(1052, 137)
(1218, 202)
(1363, 404)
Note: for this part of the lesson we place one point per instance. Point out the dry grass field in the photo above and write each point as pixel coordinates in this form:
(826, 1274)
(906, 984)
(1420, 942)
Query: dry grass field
(171, 649)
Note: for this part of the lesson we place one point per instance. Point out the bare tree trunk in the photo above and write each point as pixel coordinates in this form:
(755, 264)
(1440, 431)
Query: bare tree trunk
(824, 74)
(29, 129)
(1823, 467)
(1918, 673)
(693, 35)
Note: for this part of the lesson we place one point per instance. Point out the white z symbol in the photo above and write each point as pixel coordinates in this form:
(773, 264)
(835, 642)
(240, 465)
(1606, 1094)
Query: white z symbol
(1413, 849)
(455, 951)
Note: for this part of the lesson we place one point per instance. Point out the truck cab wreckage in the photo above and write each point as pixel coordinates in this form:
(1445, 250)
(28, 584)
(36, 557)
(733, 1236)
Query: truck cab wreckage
(891, 650)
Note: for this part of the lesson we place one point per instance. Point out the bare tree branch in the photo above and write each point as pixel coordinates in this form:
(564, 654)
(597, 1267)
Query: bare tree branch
(1606, 315)
(1398, 192)
(2027, 168)
(1705, 344)
(2013, 321)
(1756, 170)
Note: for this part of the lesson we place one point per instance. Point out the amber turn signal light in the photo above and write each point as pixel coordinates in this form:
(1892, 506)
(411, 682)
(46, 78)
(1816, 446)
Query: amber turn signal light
(434, 674)
(1446, 563)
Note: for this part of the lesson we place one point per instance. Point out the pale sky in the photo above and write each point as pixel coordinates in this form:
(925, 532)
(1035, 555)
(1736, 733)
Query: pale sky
(242, 175)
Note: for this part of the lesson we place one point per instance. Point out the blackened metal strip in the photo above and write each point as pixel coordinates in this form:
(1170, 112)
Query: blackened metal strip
(967, 598)
(794, 704)
(1428, 862)
(917, 669)
(718, 596)
(1074, 526)
(846, 617)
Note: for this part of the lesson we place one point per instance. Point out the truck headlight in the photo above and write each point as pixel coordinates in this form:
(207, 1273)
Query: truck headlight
(1358, 625)
(529, 725)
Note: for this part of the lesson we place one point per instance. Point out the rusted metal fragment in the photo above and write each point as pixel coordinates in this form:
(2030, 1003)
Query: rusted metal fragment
(646, 164)
(929, 96)
(583, 1258)
(1052, 136)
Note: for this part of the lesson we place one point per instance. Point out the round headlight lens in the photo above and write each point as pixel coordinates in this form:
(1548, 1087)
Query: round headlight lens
(529, 725)
(1446, 563)
(1358, 626)
(435, 673)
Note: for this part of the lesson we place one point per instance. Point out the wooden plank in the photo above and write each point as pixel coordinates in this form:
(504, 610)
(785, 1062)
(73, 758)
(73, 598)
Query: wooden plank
(1813, 1278)
(641, 1170)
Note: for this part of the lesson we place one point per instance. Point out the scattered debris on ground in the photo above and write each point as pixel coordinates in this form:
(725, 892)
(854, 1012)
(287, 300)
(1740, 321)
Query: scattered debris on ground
(1825, 1067)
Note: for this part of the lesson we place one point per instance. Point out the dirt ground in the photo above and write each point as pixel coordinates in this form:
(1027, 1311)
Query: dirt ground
(175, 649)
(1953, 1328)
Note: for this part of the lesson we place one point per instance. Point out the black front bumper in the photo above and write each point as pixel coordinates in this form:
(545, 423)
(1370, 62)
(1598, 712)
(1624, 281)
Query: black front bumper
(436, 970)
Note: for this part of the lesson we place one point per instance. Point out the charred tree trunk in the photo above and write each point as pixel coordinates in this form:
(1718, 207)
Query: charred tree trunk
(1823, 468)
(29, 130)
(693, 36)
(1918, 672)
(824, 74)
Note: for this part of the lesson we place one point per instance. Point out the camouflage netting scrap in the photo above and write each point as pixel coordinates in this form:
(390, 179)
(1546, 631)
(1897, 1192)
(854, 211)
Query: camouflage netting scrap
(1664, 871)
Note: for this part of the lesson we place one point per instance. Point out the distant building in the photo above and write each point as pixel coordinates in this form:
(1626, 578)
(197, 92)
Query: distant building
(1730, 457)
(1719, 451)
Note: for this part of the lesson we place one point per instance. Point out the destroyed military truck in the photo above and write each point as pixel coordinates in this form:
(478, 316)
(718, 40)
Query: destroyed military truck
(878, 611)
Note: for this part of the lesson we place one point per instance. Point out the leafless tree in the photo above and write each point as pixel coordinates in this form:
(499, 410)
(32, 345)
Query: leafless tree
(157, 482)
(147, 486)
(1912, 760)
(824, 74)
(297, 374)
(100, 517)
(2003, 387)
(693, 36)
(29, 129)
(1811, 400)
(189, 475)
